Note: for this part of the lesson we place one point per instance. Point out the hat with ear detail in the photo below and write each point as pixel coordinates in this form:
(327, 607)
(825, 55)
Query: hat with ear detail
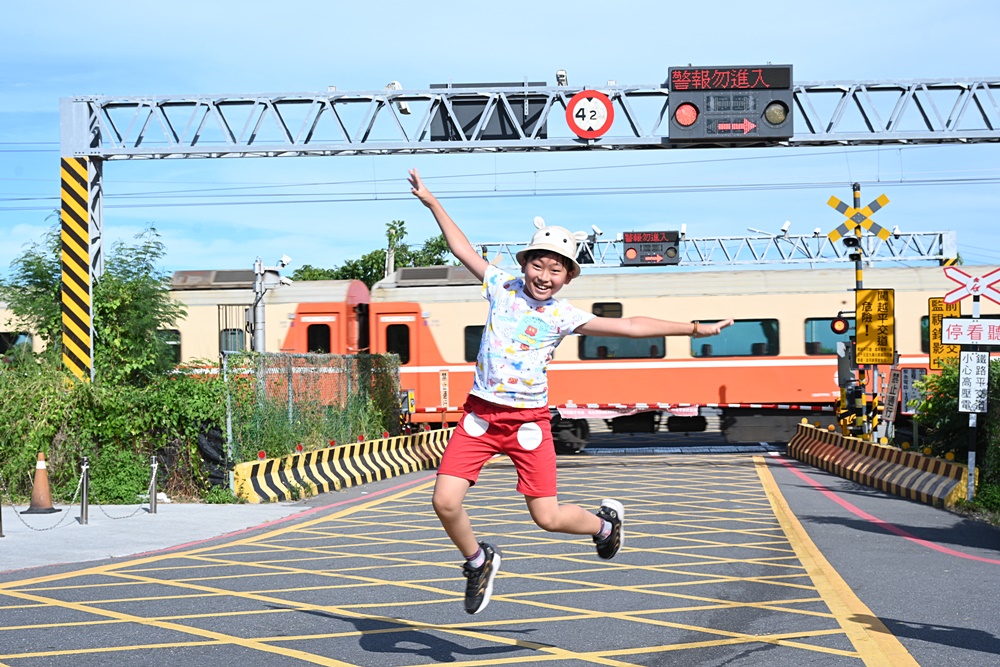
(559, 240)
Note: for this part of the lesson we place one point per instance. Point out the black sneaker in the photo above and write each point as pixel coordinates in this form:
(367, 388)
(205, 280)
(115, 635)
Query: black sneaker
(479, 587)
(613, 512)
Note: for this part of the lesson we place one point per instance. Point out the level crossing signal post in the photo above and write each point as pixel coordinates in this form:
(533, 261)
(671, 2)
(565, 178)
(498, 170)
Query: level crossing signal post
(874, 323)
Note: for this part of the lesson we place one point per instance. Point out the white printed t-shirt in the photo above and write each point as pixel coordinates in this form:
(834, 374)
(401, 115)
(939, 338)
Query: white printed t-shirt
(519, 339)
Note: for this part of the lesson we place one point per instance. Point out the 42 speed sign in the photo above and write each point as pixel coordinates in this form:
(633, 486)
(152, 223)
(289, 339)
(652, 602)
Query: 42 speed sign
(589, 114)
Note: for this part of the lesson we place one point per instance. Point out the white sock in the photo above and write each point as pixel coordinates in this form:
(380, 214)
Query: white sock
(477, 559)
(605, 531)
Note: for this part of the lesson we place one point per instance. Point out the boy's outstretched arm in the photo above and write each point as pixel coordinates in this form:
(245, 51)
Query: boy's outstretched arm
(645, 327)
(457, 241)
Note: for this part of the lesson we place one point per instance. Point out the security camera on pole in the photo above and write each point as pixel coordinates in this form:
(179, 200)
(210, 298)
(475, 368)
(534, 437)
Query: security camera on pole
(265, 278)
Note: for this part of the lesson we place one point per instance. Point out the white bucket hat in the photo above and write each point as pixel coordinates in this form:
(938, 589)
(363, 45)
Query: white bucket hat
(559, 240)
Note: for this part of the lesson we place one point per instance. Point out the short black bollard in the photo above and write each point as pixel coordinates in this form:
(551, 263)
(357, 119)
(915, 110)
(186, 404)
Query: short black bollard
(85, 492)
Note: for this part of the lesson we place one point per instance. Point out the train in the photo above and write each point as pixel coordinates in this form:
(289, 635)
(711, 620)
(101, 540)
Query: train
(779, 357)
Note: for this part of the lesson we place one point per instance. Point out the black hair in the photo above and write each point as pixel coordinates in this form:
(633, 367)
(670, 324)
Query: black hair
(563, 259)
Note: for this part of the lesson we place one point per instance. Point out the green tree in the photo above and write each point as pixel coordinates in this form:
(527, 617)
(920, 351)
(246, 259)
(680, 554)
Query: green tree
(131, 303)
(309, 272)
(32, 290)
(370, 267)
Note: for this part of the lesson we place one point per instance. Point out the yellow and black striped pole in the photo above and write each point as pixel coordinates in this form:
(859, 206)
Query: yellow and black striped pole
(77, 313)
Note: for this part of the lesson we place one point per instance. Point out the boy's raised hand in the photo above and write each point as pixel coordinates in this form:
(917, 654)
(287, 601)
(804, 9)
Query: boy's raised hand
(419, 190)
(713, 329)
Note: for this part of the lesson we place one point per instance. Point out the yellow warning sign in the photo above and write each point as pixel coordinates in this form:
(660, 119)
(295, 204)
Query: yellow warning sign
(875, 326)
(77, 339)
(940, 353)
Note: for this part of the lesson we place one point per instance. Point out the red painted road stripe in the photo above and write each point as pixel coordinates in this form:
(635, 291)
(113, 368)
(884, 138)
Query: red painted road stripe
(888, 527)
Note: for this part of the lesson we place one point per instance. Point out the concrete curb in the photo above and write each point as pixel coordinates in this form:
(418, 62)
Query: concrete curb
(324, 470)
(928, 480)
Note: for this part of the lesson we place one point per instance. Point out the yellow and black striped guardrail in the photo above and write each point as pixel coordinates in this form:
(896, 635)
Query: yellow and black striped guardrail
(926, 479)
(342, 466)
(77, 338)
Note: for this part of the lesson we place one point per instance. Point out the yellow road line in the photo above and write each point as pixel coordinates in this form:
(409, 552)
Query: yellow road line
(877, 646)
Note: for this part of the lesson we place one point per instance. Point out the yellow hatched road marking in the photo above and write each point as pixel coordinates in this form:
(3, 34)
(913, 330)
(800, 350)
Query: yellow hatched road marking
(295, 547)
(877, 646)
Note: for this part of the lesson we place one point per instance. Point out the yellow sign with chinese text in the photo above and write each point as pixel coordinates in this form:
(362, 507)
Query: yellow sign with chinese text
(875, 326)
(940, 353)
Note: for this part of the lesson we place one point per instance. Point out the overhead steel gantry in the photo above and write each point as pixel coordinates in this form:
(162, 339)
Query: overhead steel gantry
(357, 123)
(766, 249)
(505, 118)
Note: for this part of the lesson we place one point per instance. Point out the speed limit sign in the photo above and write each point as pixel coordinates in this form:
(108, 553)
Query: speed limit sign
(590, 114)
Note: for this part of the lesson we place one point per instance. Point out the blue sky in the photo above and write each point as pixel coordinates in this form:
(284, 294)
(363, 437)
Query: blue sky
(51, 49)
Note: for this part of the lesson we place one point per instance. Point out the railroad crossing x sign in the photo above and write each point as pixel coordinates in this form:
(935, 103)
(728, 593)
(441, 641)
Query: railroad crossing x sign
(857, 217)
(971, 285)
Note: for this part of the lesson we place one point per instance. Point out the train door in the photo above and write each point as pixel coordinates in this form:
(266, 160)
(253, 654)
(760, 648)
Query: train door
(399, 328)
(318, 328)
(395, 328)
(321, 333)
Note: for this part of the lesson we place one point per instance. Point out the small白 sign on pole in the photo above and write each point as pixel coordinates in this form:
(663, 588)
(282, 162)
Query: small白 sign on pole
(892, 395)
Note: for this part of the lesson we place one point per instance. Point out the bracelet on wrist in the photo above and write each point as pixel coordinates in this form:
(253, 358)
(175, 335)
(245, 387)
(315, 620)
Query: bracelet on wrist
(694, 332)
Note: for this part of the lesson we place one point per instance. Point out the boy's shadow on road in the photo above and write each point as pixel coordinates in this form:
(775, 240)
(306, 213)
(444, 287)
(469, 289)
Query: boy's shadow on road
(969, 639)
(393, 637)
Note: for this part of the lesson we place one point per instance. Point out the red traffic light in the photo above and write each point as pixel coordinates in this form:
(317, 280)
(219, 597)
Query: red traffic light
(686, 114)
(839, 326)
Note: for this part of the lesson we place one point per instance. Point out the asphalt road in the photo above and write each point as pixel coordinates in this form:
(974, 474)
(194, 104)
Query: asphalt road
(729, 559)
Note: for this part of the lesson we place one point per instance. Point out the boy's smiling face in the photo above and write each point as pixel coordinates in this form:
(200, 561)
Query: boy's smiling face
(544, 275)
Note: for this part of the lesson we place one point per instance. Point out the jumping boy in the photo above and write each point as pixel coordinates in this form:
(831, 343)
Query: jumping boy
(507, 411)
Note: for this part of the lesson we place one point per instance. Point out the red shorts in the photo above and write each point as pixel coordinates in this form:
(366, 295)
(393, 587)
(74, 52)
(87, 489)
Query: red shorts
(523, 434)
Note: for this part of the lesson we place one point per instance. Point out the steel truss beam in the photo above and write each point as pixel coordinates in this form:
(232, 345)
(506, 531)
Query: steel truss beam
(353, 123)
(760, 250)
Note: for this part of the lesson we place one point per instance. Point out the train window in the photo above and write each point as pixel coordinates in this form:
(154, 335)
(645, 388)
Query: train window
(172, 339)
(925, 334)
(318, 338)
(820, 339)
(397, 341)
(232, 340)
(757, 338)
(607, 309)
(11, 339)
(613, 347)
(472, 337)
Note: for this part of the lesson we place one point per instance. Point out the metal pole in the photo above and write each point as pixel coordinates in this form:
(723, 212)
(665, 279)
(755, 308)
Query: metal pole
(85, 493)
(290, 393)
(258, 306)
(971, 491)
(229, 421)
(152, 488)
(861, 420)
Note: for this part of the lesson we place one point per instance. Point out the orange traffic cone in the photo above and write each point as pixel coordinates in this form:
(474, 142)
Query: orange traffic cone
(41, 497)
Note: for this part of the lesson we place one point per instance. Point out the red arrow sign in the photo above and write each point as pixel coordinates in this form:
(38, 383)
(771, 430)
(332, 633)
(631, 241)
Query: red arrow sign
(746, 126)
(971, 285)
(654, 258)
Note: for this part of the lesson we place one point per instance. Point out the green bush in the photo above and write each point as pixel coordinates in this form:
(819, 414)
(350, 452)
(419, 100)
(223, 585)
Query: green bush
(221, 495)
(948, 429)
(118, 427)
